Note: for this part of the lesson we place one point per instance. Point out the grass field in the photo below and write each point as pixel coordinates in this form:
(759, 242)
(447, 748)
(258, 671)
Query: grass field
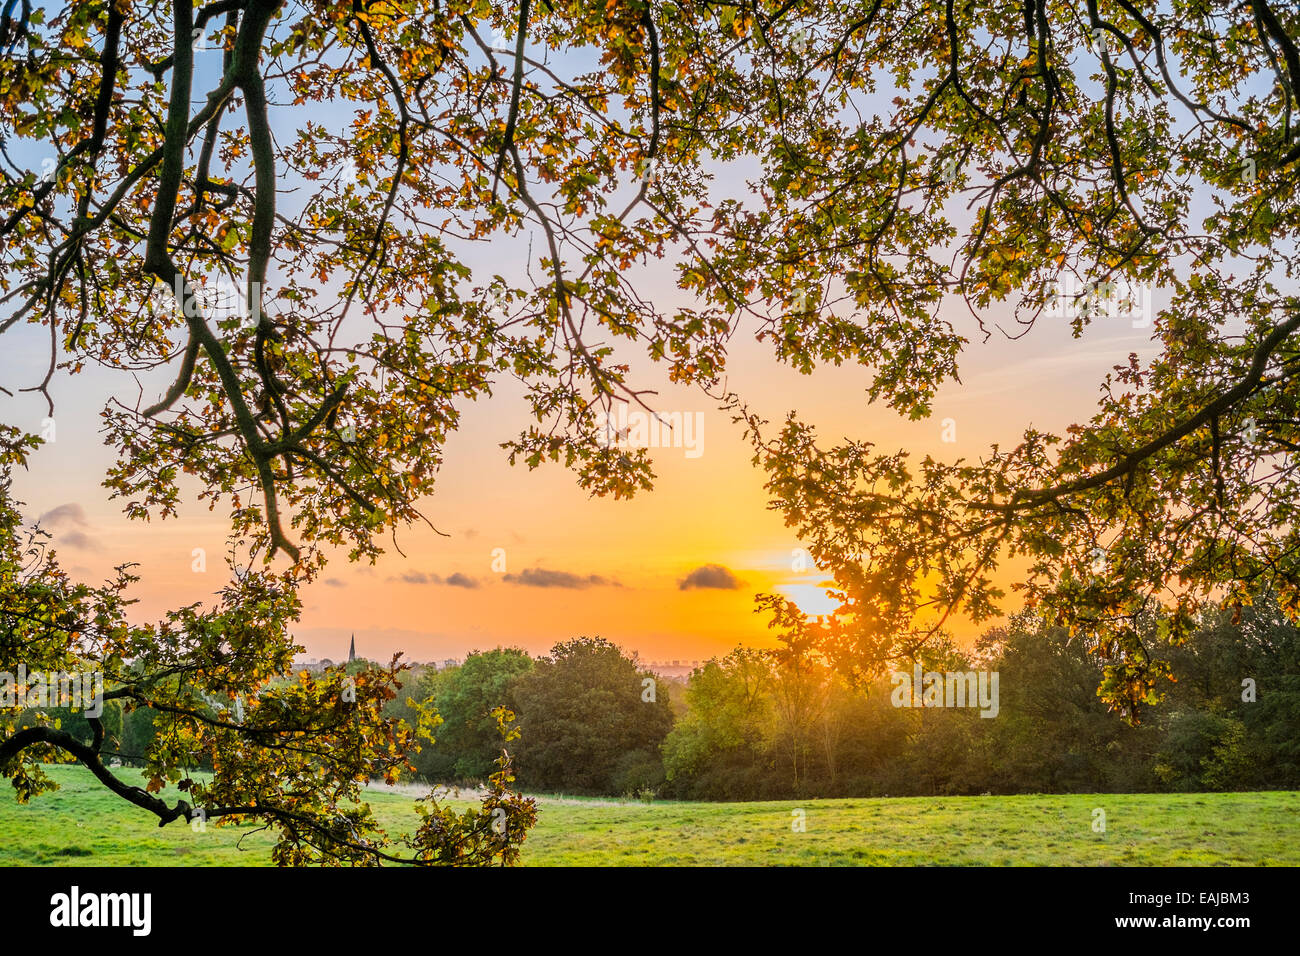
(83, 824)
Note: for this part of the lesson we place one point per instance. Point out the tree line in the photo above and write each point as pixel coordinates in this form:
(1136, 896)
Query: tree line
(773, 724)
(759, 724)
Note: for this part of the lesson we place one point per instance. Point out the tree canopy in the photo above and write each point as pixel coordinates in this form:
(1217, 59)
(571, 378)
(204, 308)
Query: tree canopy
(591, 720)
(465, 698)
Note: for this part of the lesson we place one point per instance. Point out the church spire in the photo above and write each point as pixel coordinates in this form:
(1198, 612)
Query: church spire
(352, 651)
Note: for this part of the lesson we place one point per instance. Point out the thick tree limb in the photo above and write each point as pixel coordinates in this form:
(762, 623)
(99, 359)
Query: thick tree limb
(1022, 500)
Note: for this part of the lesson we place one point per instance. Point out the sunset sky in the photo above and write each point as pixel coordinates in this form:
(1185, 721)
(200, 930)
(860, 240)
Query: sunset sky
(574, 565)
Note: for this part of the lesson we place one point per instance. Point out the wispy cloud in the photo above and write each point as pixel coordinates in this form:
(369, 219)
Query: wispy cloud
(70, 514)
(418, 577)
(69, 522)
(713, 576)
(456, 580)
(545, 578)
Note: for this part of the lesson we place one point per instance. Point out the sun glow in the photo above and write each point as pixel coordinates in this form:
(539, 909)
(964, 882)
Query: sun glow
(812, 599)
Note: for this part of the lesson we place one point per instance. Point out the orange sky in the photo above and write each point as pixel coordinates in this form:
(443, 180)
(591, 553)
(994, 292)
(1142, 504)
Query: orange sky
(705, 510)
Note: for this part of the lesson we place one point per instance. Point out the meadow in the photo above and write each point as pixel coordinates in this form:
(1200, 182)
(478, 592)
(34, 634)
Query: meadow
(84, 824)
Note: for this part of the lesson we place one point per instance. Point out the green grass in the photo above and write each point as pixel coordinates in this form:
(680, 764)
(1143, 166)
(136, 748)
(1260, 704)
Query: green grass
(84, 824)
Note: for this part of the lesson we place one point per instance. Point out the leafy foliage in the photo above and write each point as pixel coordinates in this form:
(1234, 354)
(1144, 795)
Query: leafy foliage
(465, 698)
(1053, 733)
(590, 722)
(315, 411)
